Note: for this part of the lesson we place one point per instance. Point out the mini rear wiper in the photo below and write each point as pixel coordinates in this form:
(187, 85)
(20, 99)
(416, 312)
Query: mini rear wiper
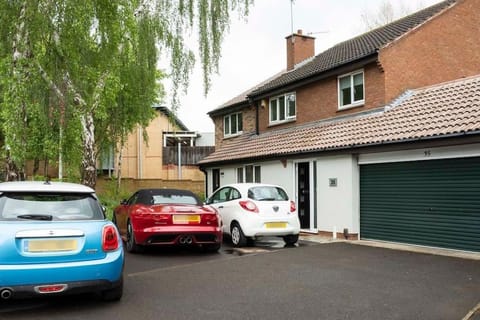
(36, 217)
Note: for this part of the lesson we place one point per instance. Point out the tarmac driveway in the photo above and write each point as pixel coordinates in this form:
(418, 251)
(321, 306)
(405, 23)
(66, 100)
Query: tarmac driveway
(325, 281)
(312, 281)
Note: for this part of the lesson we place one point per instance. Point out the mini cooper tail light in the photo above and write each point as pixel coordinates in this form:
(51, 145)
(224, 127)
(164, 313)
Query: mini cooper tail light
(249, 206)
(110, 240)
(51, 288)
(292, 206)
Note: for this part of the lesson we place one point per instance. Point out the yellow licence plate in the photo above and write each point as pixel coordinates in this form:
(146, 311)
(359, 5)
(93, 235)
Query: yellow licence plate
(186, 218)
(51, 245)
(272, 225)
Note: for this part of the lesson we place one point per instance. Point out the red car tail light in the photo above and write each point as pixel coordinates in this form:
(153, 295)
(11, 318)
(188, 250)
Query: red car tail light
(293, 207)
(210, 219)
(110, 239)
(248, 205)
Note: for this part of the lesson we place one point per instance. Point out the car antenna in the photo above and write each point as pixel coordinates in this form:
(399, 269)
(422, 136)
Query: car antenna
(47, 180)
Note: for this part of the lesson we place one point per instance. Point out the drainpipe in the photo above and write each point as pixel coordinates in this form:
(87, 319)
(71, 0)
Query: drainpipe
(179, 159)
(139, 155)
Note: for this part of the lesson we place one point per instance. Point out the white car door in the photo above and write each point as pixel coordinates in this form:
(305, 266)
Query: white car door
(219, 200)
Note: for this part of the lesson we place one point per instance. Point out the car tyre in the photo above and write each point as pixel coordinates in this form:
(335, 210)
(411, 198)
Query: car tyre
(238, 238)
(114, 294)
(131, 245)
(291, 239)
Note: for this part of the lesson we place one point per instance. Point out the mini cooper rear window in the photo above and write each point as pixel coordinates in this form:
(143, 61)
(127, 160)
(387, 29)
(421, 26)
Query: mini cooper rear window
(267, 193)
(49, 206)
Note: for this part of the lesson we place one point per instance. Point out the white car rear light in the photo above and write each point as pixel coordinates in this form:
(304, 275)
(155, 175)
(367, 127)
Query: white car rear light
(293, 207)
(248, 205)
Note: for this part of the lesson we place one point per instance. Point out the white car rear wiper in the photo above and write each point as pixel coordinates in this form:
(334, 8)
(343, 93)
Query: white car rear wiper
(36, 217)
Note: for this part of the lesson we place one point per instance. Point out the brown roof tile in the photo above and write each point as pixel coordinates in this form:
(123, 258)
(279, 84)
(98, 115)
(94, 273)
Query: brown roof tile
(435, 111)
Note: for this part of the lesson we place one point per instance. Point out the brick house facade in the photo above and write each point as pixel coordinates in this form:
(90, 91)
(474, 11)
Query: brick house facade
(319, 126)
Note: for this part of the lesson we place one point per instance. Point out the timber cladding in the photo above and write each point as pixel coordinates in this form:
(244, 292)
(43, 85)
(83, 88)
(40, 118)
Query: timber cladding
(132, 185)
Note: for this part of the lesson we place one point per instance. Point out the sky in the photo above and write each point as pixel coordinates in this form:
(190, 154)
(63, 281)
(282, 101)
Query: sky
(254, 49)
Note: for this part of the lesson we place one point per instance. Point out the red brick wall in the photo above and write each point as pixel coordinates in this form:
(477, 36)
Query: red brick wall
(445, 48)
(301, 48)
(248, 117)
(319, 100)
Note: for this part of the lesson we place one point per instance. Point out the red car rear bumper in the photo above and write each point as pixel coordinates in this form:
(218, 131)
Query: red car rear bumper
(178, 235)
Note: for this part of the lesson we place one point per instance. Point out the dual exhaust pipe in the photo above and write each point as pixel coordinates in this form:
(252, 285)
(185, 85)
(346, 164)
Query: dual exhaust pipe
(6, 293)
(185, 240)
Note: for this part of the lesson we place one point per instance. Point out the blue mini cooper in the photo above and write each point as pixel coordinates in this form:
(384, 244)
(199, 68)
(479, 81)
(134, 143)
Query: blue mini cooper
(56, 240)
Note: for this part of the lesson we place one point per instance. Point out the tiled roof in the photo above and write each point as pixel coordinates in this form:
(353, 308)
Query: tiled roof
(443, 110)
(354, 49)
(243, 97)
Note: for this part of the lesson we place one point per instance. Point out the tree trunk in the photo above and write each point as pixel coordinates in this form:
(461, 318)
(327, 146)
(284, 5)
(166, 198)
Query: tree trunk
(89, 166)
(119, 169)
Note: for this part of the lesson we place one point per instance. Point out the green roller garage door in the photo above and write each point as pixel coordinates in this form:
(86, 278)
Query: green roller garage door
(432, 203)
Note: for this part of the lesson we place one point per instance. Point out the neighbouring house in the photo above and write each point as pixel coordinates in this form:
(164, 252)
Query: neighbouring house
(170, 153)
(378, 137)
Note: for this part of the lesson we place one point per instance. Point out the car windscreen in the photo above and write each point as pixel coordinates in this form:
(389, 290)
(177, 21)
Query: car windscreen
(49, 207)
(267, 193)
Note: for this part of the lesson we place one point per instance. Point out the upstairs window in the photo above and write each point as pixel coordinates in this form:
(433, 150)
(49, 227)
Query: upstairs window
(283, 108)
(351, 92)
(232, 124)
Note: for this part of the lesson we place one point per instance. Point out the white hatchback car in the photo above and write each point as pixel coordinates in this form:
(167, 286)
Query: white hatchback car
(253, 210)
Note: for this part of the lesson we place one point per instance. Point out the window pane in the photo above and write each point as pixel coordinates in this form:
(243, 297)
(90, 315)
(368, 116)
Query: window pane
(273, 110)
(240, 122)
(226, 125)
(233, 123)
(257, 174)
(345, 91)
(358, 87)
(291, 106)
(248, 173)
(281, 105)
(345, 97)
(239, 175)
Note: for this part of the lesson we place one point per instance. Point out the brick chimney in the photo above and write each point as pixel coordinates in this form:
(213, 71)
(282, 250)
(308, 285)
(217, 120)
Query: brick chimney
(299, 48)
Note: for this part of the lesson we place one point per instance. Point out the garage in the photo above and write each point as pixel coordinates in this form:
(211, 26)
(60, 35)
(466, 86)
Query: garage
(431, 203)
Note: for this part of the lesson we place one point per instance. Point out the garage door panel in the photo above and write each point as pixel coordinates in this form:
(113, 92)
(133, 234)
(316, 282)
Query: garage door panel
(434, 203)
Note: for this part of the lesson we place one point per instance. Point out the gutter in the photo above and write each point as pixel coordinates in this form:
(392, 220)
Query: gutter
(343, 148)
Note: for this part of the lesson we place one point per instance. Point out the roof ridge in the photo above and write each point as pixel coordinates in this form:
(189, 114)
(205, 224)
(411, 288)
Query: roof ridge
(356, 48)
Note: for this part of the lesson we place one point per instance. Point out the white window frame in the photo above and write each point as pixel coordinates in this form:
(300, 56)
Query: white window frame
(288, 118)
(256, 171)
(239, 124)
(353, 103)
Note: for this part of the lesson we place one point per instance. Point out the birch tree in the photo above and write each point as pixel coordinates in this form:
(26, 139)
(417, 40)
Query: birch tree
(80, 75)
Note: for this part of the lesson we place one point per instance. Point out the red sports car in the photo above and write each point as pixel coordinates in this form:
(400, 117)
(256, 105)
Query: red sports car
(159, 217)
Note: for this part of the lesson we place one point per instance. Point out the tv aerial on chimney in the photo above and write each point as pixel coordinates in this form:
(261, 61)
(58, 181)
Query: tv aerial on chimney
(291, 24)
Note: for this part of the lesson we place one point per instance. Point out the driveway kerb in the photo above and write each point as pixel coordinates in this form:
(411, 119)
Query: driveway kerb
(396, 246)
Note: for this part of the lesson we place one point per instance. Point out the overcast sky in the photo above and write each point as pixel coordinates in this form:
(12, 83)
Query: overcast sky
(255, 49)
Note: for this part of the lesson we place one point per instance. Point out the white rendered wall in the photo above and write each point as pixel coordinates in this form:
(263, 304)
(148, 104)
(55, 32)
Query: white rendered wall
(338, 206)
